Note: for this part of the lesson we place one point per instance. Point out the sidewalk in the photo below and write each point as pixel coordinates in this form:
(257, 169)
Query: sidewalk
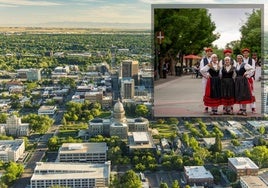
(182, 97)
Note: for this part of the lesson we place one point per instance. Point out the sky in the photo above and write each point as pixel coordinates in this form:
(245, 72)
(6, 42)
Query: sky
(136, 12)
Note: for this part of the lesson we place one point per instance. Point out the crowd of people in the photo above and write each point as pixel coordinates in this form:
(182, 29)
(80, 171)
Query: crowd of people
(228, 82)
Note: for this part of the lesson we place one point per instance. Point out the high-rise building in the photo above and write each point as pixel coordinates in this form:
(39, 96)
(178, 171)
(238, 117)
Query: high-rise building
(130, 69)
(127, 88)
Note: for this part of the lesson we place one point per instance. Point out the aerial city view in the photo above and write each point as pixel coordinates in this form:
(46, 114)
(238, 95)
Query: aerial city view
(158, 96)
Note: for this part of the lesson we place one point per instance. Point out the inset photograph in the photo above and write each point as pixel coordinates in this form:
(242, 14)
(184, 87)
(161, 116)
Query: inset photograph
(208, 60)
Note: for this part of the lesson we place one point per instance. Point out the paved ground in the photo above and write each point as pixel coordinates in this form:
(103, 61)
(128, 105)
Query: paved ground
(182, 97)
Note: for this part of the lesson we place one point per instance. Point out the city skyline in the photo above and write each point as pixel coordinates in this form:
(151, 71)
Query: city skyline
(110, 14)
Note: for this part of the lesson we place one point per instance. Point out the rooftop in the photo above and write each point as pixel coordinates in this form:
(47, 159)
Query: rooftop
(243, 163)
(197, 172)
(57, 171)
(253, 181)
(100, 147)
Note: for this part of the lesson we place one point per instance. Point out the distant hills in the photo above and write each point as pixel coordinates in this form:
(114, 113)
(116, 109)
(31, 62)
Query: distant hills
(89, 25)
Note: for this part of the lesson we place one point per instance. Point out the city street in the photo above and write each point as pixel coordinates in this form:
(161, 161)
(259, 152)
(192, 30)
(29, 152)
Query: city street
(182, 97)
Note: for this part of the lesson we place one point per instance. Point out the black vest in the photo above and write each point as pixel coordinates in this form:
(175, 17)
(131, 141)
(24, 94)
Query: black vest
(205, 60)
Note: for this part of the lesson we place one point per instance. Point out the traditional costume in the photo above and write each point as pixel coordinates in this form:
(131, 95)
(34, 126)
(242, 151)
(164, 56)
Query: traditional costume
(243, 89)
(227, 87)
(212, 97)
(206, 60)
(251, 62)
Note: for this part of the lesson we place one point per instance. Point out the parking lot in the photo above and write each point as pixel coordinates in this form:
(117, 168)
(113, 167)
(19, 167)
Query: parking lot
(155, 178)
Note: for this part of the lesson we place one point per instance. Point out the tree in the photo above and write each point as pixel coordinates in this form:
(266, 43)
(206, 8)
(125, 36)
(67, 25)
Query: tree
(163, 185)
(175, 184)
(217, 147)
(130, 179)
(251, 32)
(186, 31)
(259, 155)
(262, 130)
(3, 117)
(141, 110)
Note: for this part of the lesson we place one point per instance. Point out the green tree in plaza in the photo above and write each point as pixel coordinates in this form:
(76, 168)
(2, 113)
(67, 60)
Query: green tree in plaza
(141, 110)
(251, 32)
(186, 30)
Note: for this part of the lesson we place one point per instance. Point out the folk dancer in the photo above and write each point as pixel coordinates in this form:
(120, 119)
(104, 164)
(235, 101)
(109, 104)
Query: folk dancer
(250, 61)
(243, 89)
(228, 53)
(227, 86)
(212, 97)
(203, 63)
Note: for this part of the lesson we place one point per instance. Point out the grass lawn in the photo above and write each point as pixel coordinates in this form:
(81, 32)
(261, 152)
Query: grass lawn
(165, 130)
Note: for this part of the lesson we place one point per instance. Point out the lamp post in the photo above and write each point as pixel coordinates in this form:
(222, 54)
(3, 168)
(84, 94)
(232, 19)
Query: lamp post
(159, 37)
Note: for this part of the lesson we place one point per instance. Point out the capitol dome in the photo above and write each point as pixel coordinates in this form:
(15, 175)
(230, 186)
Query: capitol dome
(118, 107)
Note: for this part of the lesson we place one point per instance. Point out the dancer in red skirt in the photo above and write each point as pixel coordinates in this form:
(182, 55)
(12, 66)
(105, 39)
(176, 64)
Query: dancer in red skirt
(212, 97)
(243, 91)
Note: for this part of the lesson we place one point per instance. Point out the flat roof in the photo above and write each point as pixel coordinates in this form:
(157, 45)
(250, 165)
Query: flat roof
(100, 147)
(197, 172)
(47, 108)
(70, 171)
(140, 137)
(253, 181)
(243, 163)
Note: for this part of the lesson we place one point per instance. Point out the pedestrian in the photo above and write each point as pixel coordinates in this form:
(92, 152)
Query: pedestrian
(227, 86)
(257, 66)
(250, 61)
(203, 63)
(165, 69)
(211, 72)
(243, 90)
(196, 69)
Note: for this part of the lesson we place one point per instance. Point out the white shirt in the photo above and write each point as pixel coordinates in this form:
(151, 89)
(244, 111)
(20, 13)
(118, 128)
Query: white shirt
(204, 70)
(249, 69)
(202, 62)
(245, 60)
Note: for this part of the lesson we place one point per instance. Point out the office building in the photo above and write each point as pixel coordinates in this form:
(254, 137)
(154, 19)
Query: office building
(127, 88)
(15, 128)
(73, 175)
(11, 150)
(130, 69)
(198, 175)
(83, 152)
(243, 166)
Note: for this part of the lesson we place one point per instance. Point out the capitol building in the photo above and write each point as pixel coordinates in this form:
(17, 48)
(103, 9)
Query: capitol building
(118, 124)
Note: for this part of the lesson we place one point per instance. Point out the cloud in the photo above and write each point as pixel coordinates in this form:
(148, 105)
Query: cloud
(176, 1)
(121, 13)
(13, 3)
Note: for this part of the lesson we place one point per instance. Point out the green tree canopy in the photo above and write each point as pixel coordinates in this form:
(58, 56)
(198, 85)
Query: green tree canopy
(185, 30)
(251, 32)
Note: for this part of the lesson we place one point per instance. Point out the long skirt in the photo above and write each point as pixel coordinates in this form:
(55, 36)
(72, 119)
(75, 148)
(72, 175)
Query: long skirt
(227, 91)
(243, 91)
(212, 96)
